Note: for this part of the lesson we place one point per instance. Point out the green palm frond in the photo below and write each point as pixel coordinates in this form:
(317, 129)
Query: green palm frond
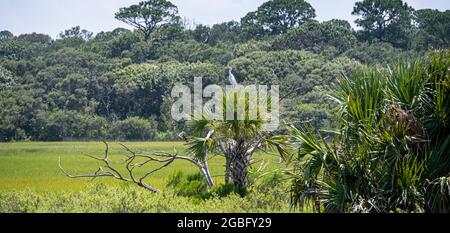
(362, 94)
(438, 159)
(406, 83)
(438, 195)
(281, 144)
(199, 147)
(199, 126)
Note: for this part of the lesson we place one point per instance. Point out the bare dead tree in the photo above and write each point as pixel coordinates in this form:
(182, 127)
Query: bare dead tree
(135, 160)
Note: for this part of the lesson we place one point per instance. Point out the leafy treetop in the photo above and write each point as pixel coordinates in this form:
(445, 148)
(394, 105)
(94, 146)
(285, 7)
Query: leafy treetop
(149, 16)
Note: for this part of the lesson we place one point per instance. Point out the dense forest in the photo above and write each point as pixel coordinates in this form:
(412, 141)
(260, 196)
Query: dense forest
(117, 84)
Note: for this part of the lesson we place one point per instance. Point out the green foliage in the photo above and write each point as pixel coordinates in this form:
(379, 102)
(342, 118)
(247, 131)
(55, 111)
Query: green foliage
(251, 46)
(226, 189)
(433, 29)
(6, 78)
(307, 76)
(378, 53)
(141, 89)
(28, 165)
(276, 17)
(134, 128)
(390, 150)
(385, 20)
(192, 185)
(222, 33)
(317, 37)
(77, 32)
(5, 35)
(148, 16)
(192, 51)
(19, 109)
(70, 124)
(117, 43)
(24, 47)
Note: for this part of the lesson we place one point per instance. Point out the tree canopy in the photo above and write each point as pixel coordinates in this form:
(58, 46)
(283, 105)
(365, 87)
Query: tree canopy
(277, 16)
(434, 28)
(385, 20)
(149, 16)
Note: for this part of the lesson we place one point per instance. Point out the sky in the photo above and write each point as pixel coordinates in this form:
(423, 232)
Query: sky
(54, 16)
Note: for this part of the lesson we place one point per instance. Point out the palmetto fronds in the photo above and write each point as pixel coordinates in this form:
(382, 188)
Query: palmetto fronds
(236, 138)
(391, 152)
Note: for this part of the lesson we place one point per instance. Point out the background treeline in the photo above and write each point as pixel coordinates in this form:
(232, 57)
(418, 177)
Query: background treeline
(117, 84)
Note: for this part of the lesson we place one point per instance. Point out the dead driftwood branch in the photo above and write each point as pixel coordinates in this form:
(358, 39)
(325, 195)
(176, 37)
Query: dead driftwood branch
(135, 160)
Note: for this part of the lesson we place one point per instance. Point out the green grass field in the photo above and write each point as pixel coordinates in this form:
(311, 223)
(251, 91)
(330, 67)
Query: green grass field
(34, 165)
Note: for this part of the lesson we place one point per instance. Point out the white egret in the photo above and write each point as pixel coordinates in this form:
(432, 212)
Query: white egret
(231, 77)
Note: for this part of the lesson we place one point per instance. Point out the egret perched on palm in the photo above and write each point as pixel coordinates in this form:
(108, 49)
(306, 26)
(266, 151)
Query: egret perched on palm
(236, 140)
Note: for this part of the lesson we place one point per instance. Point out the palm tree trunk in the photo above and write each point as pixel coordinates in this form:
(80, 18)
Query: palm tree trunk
(227, 168)
(240, 163)
(229, 154)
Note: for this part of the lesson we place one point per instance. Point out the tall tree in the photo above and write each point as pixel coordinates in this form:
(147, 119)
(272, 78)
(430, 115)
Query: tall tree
(225, 32)
(148, 16)
(6, 35)
(434, 28)
(277, 16)
(384, 20)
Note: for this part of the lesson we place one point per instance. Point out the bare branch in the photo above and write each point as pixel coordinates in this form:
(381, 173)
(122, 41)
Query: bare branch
(145, 158)
(98, 173)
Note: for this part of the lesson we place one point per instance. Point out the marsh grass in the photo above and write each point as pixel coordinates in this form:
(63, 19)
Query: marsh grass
(34, 165)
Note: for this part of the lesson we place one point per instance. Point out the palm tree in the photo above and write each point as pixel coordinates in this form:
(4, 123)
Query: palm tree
(237, 140)
(391, 149)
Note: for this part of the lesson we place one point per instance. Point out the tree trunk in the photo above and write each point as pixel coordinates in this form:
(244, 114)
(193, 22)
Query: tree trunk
(227, 168)
(228, 160)
(229, 154)
(240, 163)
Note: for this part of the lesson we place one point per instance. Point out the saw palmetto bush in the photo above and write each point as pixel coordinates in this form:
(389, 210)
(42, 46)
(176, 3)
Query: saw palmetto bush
(391, 149)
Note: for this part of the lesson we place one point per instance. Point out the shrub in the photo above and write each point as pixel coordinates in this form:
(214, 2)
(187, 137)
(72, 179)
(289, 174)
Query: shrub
(224, 190)
(192, 185)
(128, 199)
(61, 124)
(134, 128)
